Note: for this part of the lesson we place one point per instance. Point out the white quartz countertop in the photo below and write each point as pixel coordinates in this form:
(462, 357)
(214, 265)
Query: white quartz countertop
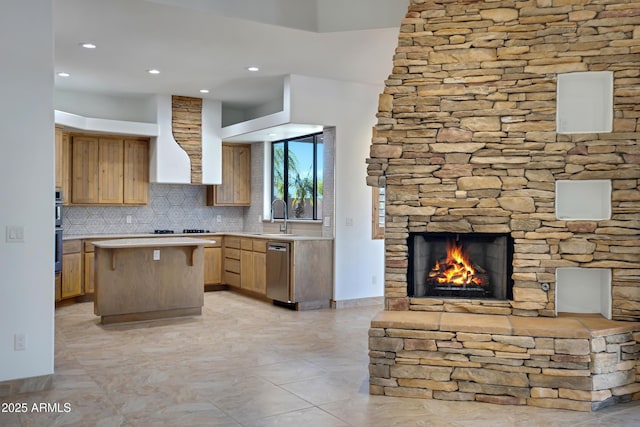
(205, 236)
(151, 242)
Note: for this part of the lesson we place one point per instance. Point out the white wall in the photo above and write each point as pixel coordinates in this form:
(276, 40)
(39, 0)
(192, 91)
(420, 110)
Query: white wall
(103, 106)
(27, 183)
(351, 108)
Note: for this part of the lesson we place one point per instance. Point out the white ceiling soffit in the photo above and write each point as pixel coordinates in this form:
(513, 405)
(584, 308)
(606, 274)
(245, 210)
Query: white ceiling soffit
(277, 133)
(307, 15)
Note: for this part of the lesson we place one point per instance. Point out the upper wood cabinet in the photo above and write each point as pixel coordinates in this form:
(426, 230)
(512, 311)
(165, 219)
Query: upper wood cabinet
(136, 172)
(58, 141)
(63, 163)
(235, 189)
(109, 170)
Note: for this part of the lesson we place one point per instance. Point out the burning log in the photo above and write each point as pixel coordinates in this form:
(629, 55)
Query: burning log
(457, 270)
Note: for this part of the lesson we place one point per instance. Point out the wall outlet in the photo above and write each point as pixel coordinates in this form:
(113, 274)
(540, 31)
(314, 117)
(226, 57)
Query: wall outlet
(349, 222)
(218, 218)
(156, 254)
(129, 219)
(19, 342)
(327, 221)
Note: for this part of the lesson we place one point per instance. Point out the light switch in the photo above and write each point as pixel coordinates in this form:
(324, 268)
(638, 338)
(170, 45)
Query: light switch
(15, 234)
(156, 254)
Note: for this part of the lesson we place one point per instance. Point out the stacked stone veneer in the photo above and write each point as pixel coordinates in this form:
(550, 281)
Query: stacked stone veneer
(466, 142)
(186, 125)
(567, 366)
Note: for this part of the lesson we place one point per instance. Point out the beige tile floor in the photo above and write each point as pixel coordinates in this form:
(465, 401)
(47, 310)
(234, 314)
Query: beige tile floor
(247, 363)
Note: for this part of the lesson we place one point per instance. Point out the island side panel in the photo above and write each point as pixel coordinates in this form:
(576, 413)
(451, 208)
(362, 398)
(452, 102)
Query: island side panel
(140, 284)
(312, 273)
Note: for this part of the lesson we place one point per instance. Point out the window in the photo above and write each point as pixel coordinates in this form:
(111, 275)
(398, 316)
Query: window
(378, 213)
(296, 171)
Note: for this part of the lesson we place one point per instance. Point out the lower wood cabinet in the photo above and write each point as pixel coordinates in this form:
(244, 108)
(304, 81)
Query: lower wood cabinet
(89, 274)
(71, 280)
(231, 263)
(253, 265)
(212, 265)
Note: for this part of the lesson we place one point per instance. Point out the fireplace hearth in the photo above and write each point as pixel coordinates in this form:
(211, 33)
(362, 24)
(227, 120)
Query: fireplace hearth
(456, 265)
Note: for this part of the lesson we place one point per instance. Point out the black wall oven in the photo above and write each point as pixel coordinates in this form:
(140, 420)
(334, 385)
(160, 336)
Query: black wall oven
(58, 230)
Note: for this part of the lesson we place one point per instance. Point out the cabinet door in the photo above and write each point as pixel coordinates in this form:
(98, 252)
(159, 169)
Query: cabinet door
(65, 165)
(71, 275)
(58, 145)
(212, 266)
(242, 175)
(224, 191)
(89, 273)
(246, 270)
(84, 169)
(111, 167)
(58, 285)
(136, 172)
(235, 189)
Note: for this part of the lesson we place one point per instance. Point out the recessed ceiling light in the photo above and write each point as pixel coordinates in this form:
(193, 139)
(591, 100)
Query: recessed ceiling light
(88, 45)
(153, 71)
(204, 90)
(253, 69)
(63, 74)
(272, 135)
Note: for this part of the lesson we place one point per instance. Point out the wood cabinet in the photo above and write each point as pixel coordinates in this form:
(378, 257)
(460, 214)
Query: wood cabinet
(109, 170)
(58, 286)
(89, 274)
(253, 265)
(84, 170)
(71, 279)
(58, 153)
(213, 263)
(231, 263)
(235, 189)
(136, 172)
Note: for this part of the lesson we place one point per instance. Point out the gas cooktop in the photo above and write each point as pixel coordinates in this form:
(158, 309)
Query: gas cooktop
(162, 231)
(184, 231)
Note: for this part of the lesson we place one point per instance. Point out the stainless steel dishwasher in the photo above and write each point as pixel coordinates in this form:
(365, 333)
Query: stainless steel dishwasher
(278, 272)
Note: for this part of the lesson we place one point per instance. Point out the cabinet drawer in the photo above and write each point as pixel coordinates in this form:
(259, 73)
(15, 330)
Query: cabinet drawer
(246, 244)
(232, 242)
(71, 246)
(232, 253)
(260, 245)
(232, 279)
(232, 265)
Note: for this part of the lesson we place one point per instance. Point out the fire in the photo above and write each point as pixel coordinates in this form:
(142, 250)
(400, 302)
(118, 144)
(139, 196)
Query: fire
(456, 269)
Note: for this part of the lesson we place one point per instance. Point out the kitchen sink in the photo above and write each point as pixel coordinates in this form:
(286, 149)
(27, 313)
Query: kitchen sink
(275, 234)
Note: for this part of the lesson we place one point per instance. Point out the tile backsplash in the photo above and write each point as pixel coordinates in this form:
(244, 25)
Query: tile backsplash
(171, 206)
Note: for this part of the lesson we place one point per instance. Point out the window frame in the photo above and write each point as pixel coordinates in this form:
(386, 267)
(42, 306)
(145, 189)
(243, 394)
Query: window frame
(316, 138)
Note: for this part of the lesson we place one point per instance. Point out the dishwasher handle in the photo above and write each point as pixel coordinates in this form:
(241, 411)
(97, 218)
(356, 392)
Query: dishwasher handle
(279, 247)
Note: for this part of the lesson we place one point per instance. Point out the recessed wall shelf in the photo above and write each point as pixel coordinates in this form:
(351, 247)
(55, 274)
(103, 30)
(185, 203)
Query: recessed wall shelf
(583, 290)
(583, 200)
(585, 102)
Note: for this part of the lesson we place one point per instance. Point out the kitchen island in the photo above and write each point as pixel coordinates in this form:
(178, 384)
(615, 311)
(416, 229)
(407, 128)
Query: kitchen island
(148, 278)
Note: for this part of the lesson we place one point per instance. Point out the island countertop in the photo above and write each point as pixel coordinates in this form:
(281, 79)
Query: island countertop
(147, 242)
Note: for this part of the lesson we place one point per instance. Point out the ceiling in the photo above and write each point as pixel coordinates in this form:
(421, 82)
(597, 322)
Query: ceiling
(209, 44)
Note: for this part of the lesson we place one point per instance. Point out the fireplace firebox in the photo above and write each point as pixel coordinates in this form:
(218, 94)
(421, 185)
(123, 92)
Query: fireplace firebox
(457, 265)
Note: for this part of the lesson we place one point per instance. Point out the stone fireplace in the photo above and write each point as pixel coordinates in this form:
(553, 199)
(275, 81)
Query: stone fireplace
(516, 119)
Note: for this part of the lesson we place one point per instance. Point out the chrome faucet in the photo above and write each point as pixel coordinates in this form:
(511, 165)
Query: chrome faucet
(283, 227)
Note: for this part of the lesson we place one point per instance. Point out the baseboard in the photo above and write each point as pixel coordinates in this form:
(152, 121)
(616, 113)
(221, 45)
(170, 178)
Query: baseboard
(26, 385)
(357, 302)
